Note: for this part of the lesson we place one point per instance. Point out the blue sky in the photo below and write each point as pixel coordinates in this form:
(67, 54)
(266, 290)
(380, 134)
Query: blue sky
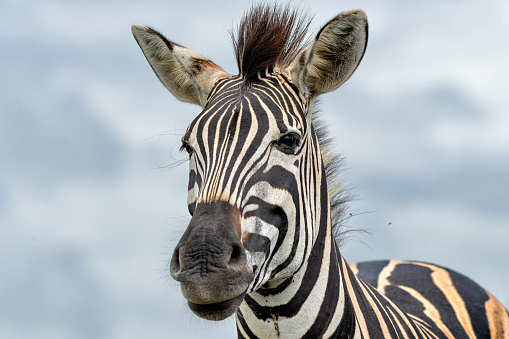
(89, 213)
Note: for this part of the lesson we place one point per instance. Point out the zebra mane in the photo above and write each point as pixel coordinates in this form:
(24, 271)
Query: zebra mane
(268, 37)
(339, 193)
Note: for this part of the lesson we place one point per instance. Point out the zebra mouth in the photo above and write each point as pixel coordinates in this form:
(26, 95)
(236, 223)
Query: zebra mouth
(217, 311)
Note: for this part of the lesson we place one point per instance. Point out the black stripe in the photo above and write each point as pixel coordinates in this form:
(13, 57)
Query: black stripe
(346, 327)
(475, 298)
(330, 301)
(245, 327)
(369, 271)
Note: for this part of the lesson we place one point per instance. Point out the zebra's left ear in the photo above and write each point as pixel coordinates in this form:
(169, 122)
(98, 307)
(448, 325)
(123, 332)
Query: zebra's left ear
(333, 56)
(189, 76)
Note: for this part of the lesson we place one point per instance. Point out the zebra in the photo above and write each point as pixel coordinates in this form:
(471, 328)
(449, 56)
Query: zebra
(265, 197)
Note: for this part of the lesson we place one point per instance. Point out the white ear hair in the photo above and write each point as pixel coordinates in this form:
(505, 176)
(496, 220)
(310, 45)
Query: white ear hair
(186, 74)
(333, 56)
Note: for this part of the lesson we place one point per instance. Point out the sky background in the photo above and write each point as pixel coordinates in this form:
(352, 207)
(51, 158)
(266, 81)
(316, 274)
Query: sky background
(91, 208)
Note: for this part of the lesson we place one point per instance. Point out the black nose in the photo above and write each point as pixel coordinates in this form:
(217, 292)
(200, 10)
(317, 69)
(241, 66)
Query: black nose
(210, 261)
(205, 255)
(211, 242)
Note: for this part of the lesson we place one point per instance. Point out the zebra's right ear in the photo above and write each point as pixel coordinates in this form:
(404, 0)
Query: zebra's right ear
(189, 76)
(333, 56)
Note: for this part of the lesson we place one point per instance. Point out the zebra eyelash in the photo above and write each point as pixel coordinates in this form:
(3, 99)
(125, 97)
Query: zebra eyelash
(185, 147)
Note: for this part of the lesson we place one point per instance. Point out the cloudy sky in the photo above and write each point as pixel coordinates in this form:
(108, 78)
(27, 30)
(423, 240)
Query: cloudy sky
(91, 206)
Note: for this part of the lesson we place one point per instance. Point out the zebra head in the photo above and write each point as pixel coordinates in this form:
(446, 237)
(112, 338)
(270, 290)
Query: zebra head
(257, 186)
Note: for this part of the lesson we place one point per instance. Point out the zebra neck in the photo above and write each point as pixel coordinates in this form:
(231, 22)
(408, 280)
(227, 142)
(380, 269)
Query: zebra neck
(312, 304)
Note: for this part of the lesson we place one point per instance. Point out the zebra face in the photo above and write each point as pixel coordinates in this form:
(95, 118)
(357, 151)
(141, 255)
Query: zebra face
(246, 151)
(256, 179)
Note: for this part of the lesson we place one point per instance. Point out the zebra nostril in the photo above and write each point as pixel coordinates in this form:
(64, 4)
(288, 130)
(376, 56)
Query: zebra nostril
(175, 262)
(235, 255)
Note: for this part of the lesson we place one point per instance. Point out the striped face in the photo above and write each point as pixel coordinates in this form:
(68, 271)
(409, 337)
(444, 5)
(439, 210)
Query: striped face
(255, 150)
(240, 135)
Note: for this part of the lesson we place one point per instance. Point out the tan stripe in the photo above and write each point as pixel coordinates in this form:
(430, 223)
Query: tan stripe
(404, 316)
(383, 277)
(376, 309)
(429, 310)
(358, 312)
(428, 333)
(443, 281)
(354, 268)
(401, 328)
(417, 322)
(383, 282)
(498, 319)
(423, 326)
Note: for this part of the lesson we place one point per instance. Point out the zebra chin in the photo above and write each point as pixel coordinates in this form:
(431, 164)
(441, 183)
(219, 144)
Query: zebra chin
(217, 311)
(218, 295)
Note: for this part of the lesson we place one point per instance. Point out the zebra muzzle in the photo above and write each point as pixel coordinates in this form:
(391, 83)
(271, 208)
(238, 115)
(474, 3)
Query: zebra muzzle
(210, 262)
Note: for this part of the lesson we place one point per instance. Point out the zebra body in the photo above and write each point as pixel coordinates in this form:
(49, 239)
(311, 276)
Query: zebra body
(264, 198)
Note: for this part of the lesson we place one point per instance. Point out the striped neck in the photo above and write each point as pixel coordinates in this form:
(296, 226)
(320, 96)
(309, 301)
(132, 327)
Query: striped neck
(313, 303)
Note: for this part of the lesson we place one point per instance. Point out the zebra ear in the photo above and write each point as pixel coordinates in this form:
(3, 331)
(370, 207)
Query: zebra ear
(185, 73)
(333, 56)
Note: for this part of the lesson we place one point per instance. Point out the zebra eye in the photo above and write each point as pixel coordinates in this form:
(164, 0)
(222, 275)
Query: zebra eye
(288, 142)
(185, 146)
